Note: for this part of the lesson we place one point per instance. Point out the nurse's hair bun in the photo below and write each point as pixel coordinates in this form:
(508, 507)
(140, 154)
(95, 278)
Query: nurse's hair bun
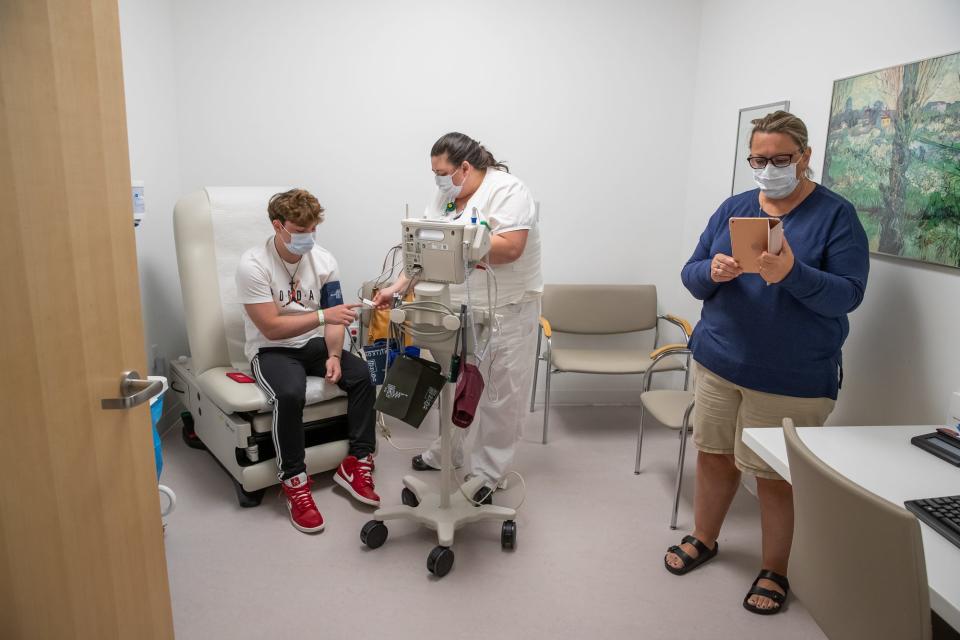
(460, 147)
(298, 206)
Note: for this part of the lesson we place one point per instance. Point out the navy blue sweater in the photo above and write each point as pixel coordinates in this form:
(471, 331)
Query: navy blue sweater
(783, 338)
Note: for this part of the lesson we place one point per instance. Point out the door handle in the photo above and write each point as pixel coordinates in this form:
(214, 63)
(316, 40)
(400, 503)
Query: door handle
(133, 391)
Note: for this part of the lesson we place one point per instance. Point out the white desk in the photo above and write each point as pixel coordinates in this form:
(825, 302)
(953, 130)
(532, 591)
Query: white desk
(882, 461)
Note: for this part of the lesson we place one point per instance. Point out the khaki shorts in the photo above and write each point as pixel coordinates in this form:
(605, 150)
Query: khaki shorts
(723, 409)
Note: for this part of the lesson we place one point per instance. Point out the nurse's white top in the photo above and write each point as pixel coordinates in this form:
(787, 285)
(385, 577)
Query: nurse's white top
(506, 204)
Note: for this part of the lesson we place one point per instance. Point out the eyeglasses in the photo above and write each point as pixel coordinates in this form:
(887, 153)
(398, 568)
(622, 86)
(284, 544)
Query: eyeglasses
(780, 161)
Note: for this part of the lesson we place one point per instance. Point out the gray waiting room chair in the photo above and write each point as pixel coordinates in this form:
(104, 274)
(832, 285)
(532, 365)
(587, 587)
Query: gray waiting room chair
(599, 310)
(670, 407)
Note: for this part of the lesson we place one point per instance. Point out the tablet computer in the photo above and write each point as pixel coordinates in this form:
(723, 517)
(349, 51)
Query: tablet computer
(750, 237)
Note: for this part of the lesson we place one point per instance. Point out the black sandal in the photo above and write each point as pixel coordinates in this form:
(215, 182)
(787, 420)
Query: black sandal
(689, 564)
(776, 596)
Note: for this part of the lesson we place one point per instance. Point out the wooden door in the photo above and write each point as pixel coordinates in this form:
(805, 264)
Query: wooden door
(81, 544)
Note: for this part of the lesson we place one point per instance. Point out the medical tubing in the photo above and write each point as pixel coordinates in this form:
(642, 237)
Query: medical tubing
(482, 353)
(479, 353)
(391, 257)
(494, 320)
(384, 275)
(466, 286)
(412, 281)
(385, 432)
(423, 305)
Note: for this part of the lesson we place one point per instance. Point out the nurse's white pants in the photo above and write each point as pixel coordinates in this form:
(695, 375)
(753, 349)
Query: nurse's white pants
(508, 374)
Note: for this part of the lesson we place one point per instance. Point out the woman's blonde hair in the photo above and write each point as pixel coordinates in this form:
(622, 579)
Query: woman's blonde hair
(783, 122)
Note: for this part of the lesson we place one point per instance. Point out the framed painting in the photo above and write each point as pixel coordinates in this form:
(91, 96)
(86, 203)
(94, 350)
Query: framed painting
(742, 173)
(893, 150)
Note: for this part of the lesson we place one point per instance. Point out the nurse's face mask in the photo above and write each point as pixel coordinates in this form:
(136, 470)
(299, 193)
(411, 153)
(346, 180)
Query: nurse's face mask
(447, 186)
(300, 243)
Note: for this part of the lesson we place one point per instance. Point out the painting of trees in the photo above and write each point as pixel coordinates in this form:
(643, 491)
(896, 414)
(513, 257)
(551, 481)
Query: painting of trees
(893, 149)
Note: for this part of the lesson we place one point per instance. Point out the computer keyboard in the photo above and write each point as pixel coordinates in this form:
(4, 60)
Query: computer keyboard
(942, 514)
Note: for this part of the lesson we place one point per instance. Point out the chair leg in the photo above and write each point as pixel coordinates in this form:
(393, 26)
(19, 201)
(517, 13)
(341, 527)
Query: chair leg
(536, 369)
(683, 450)
(546, 400)
(636, 469)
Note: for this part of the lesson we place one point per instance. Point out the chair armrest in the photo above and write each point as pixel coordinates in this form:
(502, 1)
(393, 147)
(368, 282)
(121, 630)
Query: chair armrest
(658, 355)
(669, 349)
(545, 326)
(684, 325)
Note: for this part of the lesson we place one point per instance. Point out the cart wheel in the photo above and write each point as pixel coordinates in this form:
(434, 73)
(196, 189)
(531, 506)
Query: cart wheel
(440, 561)
(508, 535)
(408, 498)
(373, 534)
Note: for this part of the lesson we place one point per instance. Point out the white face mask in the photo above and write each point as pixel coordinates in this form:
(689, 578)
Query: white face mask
(446, 186)
(300, 243)
(776, 182)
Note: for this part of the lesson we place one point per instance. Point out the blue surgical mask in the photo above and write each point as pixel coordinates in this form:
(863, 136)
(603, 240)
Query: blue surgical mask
(446, 186)
(776, 182)
(300, 243)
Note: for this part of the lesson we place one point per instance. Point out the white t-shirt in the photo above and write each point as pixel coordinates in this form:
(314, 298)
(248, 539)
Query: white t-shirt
(263, 276)
(506, 204)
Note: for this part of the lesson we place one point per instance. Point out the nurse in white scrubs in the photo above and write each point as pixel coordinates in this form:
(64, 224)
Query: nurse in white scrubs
(468, 177)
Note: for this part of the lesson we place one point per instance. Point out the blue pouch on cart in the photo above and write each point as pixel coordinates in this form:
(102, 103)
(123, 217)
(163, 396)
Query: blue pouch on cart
(413, 352)
(376, 356)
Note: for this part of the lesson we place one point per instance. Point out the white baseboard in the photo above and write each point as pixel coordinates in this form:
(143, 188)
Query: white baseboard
(570, 397)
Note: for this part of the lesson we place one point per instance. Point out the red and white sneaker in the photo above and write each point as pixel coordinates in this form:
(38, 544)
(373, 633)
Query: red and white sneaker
(303, 510)
(356, 476)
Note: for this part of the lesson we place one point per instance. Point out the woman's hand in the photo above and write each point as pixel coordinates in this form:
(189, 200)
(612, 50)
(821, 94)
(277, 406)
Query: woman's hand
(384, 298)
(774, 268)
(723, 268)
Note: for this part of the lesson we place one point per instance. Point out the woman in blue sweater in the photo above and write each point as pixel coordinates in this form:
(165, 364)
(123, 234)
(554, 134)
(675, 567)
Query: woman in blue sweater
(768, 345)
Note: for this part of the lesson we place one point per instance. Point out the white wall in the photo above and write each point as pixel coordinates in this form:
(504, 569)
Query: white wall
(903, 355)
(619, 115)
(146, 29)
(589, 104)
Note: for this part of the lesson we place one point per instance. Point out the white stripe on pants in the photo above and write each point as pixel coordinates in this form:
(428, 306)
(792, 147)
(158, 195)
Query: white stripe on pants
(508, 374)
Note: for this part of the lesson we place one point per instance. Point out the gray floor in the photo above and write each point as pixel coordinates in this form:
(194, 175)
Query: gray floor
(588, 562)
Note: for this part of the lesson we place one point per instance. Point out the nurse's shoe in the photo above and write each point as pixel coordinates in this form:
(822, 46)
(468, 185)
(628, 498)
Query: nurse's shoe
(356, 476)
(303, 510)
(484, 495)
(419, 464)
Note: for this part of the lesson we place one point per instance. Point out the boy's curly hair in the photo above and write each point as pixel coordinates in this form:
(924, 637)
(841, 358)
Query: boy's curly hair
(298, 206)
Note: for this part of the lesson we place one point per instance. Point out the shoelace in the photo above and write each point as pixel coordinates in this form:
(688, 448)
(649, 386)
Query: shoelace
(300, 497)
(364, 470)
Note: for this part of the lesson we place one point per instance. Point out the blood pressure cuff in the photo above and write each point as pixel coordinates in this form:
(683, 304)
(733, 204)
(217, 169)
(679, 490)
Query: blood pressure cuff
(410, 388)
(467, 396)
(331, 295)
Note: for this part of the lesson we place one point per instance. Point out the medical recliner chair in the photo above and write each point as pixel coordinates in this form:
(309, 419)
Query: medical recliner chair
(230, 418)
